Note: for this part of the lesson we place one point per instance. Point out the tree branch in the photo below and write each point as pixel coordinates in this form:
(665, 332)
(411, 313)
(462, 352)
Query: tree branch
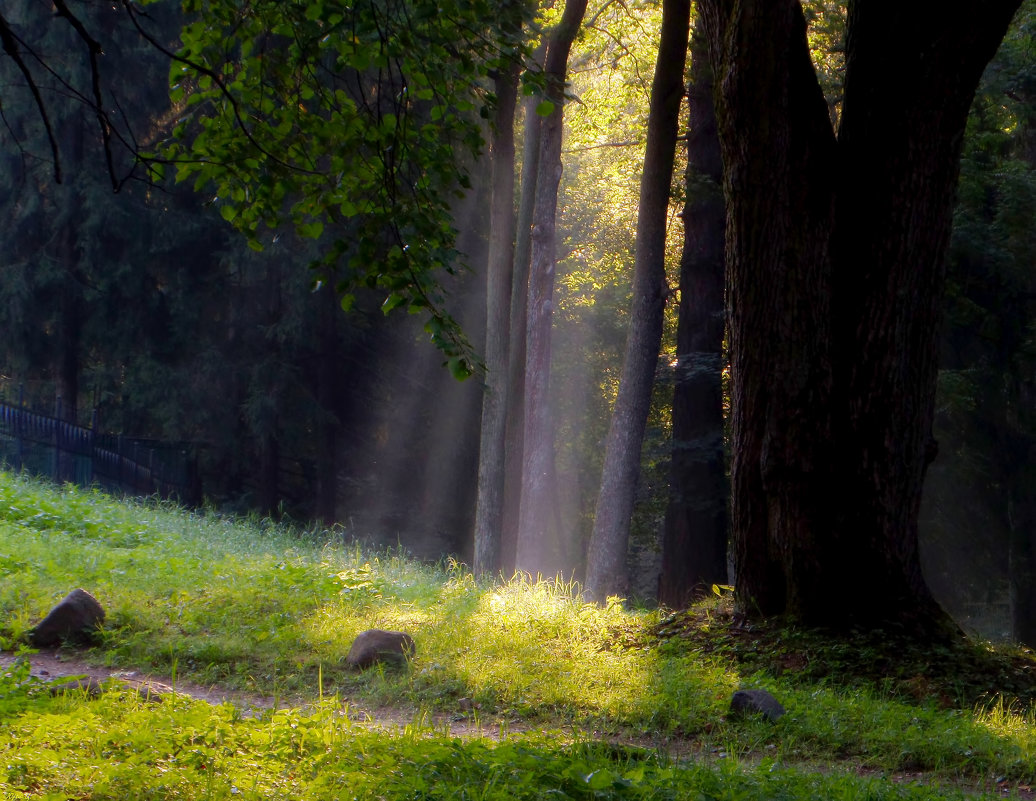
(10, 45)
(94, 50)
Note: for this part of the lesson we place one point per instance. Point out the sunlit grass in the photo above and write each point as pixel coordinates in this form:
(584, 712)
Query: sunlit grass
(118, 747)
(265, 608)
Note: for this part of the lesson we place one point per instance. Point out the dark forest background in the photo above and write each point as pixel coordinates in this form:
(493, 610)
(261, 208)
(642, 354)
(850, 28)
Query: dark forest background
(144, 311)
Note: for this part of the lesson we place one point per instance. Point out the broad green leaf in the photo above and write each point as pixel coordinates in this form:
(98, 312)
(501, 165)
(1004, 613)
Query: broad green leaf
(393, 301)
(459, 367)
(311, 230)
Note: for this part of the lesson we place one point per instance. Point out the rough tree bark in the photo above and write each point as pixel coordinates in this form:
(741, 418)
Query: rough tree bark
(694, 541)
(835, 273)
(489, 506)
(536, 550)
(606, 555)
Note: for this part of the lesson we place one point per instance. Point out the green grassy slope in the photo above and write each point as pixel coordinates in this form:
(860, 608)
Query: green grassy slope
(259, 607)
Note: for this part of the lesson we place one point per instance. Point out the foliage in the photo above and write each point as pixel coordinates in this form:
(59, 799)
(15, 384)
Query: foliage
(348, 120)
(148, 312)
(826, 21)
(16, 686)
(956, 674)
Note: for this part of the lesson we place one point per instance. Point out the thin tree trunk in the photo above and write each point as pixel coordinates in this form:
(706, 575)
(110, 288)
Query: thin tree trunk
(514, 449)
(328, 378)
(694, 543)
(606, 557)
(269, 486)
(489, 506)
(1021, 519)
(536, 550)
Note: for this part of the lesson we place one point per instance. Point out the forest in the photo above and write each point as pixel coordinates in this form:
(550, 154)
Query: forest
(654, 380)
(657, 298)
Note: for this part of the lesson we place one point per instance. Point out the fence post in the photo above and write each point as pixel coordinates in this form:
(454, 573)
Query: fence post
(92, 446)
(56, 470)
(18, 445)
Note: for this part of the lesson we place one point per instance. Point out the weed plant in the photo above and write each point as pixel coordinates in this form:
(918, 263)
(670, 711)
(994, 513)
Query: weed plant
(272, 609)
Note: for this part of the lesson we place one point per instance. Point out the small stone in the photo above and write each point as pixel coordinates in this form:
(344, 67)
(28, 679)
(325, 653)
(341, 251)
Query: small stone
(91, 687)
(75, 619)
(756, 702)
(377, 645)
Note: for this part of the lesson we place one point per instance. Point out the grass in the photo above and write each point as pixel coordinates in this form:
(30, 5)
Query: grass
(270, 609)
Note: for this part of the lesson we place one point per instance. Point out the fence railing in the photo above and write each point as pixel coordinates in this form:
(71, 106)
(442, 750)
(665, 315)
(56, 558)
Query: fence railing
(57, 449)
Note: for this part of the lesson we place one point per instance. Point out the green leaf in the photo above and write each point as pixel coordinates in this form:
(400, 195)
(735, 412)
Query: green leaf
(600, 779)
(394, 300)
(459, 367)
(311, 230)
(545, 108)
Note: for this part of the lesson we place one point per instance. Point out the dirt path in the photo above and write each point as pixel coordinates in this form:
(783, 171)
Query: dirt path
(54, 665)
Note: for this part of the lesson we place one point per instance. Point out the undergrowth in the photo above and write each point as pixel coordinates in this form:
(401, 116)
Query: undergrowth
(958, 673)
(254, 606)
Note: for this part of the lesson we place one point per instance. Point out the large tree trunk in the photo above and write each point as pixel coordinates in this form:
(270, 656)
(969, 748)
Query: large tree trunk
(606, 557)
(835, 253)
(491, 467)
(778, 152)
(536, 550)
(900, 138)
(694, 543)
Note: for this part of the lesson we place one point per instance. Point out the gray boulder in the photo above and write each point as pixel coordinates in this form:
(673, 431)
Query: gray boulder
(377, 645)
(75, 619)
(755, 702)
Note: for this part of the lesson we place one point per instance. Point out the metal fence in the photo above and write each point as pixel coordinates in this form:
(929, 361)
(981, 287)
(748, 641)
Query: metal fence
(64, 452)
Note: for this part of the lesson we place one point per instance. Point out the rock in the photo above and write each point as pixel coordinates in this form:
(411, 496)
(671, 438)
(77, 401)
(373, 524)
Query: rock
(755, 702)
(92, 687)
(377, 645)
(75, 619)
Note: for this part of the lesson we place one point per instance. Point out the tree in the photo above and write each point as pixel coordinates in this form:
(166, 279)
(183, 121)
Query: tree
(835, 273)
(694, 541)
(535, 550)
(499, 277)
(514, 450)
(356, 124)
(606, 555)
(979, 504)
